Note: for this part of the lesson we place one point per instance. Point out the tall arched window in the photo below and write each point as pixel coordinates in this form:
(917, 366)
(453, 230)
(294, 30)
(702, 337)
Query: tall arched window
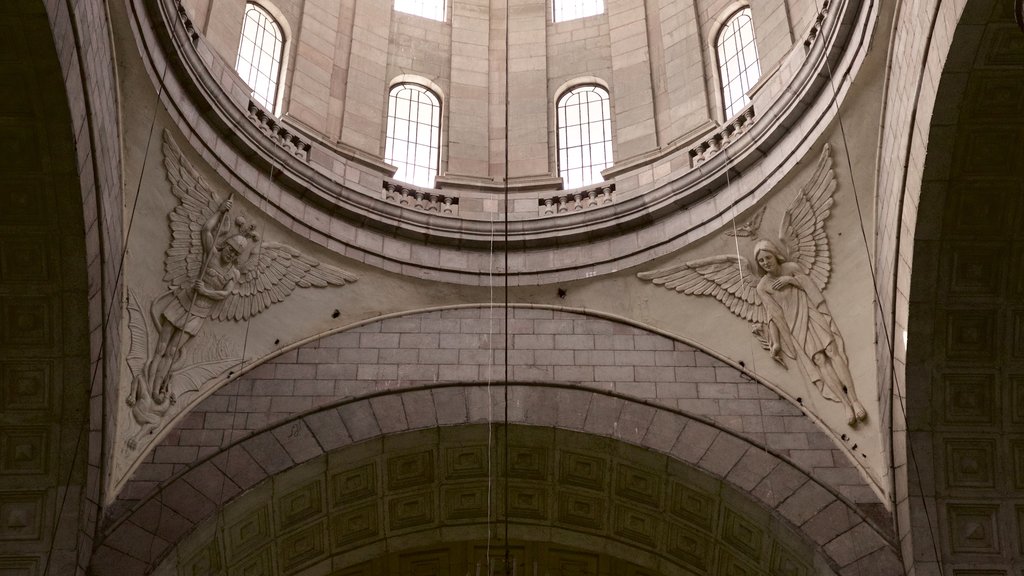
(573, 9)
(259, 55)
(737, 61)
(414, 134)
(584, 135)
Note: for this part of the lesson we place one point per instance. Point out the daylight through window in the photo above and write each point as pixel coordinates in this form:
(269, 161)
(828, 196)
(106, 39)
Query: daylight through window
(584, 135)
(433, 9)
(414, 133)
(573, 9)
(259, 55)
(737, 61)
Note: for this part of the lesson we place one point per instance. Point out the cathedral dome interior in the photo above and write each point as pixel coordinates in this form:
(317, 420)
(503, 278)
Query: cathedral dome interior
(512, 287)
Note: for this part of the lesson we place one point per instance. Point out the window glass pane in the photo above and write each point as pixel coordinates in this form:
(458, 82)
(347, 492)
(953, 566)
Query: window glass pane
(738, 67)
(573, 9)
(584, 135)
(572, 137)
(413, 135)
(433, 9)
(260, 51)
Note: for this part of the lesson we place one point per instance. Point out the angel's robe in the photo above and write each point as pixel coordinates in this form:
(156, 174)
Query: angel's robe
(186, 309)
(804, 322)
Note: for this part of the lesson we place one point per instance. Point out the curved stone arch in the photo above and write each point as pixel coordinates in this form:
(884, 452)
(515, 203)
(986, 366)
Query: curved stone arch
(576, 82)
(849, 541)
(61, 192)
(422, 81)
(604, 351)
(959, 315)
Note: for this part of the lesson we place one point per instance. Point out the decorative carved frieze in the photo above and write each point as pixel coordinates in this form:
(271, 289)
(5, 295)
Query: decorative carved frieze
(713, 144)
(279, 133)
(186, 21)
(819, 20)
(578, 200)
(412, 197)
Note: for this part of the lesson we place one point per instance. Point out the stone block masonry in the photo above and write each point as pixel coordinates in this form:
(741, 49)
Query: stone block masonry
(466, 345)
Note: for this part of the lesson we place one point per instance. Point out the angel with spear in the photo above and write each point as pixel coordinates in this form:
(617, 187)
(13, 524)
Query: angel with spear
(183, 310)
(217, 269)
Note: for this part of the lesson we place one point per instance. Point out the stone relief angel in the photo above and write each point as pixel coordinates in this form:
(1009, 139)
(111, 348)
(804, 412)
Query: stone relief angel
(217, 268)
(782, 296)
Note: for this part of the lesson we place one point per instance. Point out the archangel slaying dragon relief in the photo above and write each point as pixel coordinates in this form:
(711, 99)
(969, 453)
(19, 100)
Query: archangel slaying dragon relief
(782, 294)
(217, 268)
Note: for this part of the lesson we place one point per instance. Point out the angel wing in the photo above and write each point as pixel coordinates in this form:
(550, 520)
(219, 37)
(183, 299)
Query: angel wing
(196, 204)
(802, 232)
(205, 364)
(138, 353)
(728, 278)
(270, 274)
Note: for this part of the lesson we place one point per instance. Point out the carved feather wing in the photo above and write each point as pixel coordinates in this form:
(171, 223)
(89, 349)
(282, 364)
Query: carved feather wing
(728, 278)
(270, 275)
(138, 353)
(803, 227)
(196, 203)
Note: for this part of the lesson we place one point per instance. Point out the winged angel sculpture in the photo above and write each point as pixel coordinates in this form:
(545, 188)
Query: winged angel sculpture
(782, 295)
(217, 268)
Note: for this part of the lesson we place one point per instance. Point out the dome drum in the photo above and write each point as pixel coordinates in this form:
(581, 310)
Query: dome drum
(667, 196)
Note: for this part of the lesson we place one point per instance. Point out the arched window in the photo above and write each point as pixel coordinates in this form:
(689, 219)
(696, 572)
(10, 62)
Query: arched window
(414, 134)
(259, 55)
(737, 61)
(433, 9)
(584, 135)
(573, 9)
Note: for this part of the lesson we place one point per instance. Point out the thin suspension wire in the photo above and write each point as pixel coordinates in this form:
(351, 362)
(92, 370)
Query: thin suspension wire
(59, 510)
(753, 353)
(885, 330)
(490, 402)
(508, 26)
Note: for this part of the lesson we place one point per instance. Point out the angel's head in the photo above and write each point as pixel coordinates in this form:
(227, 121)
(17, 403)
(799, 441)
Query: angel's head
(233, 248)
(768, 257)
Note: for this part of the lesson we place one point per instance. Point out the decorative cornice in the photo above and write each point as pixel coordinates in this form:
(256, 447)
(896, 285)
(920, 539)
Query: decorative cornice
(419, 199)
(583, 199)
(278, 132)
(719, 139)
(819, 20)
